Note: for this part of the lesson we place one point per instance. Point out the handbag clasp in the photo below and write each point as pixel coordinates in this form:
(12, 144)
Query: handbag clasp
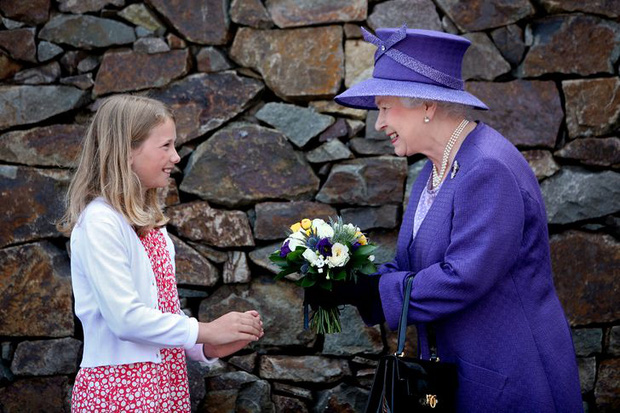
(431, 401)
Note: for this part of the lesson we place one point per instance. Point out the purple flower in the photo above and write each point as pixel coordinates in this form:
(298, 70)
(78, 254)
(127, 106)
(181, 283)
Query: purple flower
(285, 249)
(356, 246)
(324, 247)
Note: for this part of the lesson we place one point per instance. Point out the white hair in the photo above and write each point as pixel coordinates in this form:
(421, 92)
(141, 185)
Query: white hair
(453, 109)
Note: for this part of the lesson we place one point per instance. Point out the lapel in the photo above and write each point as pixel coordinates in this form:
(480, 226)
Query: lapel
(406, 229)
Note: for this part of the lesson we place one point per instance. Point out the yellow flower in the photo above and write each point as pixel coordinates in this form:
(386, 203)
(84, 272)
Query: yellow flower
(362, 240)
(308, 232)
(296, 227)
(306, 223)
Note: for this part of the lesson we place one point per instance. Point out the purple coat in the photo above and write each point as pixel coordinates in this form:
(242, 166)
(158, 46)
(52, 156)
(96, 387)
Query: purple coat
(483, 278)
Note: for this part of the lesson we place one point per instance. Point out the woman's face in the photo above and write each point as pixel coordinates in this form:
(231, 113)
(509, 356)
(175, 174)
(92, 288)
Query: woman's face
(154, 159)
(401, 124)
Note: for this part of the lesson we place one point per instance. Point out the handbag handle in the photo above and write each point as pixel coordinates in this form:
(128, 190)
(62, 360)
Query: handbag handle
(402, 323)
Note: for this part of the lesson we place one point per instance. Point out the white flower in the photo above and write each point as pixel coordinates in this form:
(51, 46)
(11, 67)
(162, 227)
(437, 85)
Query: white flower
(371, 258)
(296, 239)
(314, 258)
(340, 255)
(322, 228)
(350, 228)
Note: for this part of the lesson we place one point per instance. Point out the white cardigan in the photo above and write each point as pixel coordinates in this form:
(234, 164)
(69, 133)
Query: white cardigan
(116, 295)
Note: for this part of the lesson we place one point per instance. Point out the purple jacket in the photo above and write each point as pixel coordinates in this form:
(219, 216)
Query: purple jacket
(483, 278)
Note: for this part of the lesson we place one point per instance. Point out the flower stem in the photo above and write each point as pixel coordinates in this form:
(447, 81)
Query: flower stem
(326, 320)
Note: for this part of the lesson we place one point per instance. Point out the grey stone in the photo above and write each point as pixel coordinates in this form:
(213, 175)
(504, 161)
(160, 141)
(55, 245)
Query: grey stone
(575, 194)
(250, 13)
(385, 216)
(8, 66)
(20, 44)
(483, 60)
(332, 108)
(418, 14)
(280, 305)
(255, 397)
(41, 75)
(210, 59)
(199, 104)
(86, 32)
(614, 341)
(83, 82)
(367, 181)
(607, 388)
(11, 24)
(478, 15)
(199, 21)
(39, 394)
(251, 164)
(46, 357)
(236, 269)
(509, 40)
(527, 113)
(29, 310)
(260, 257)
(289, 404)
(587, 373)
(448, 25)
(273, 219)
(32, 200)
(352, 31)
(592, 151)
(413, 171)
(54, 145)
(197, 221)
(356, 337)
(354, 127)
(142, 32)
(295, 391)
(47, 51)
(140, 15)
(151, 45)
(86, 6)
(32, 12)
(371, 132)
(610, 8)
(70, 60)
(333, 150)
(337, 130)
(246, 362)
(297, 123)
(216, 256)
(169, 195)
(126, 70)
(191, 267)
(175, 41)
(585, 285)
(289, 61)
(363, 146)
(587, 341)
(343, 398)
(559, 41)
(295, 13)
(303, 369)
(185, 293)
(88, 64)
(542, 163)
(592, 106)
(359, 61)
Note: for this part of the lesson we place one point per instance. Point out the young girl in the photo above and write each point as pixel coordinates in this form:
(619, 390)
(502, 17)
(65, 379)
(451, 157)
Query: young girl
(122, 269)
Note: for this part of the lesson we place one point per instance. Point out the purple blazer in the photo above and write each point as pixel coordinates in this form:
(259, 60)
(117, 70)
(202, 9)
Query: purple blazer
(483, 278)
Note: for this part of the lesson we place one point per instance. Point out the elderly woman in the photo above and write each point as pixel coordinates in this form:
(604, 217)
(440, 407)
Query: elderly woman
(474, 236)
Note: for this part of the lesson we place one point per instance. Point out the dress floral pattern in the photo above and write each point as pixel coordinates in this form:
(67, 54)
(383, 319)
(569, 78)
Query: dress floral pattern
(146, 386)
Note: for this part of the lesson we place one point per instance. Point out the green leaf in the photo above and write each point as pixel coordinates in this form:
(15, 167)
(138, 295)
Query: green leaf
(339, 275)
(365, 249)
(307, 282)
(368, 269)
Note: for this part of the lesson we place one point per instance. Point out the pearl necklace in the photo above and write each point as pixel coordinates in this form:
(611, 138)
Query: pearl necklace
(438, 176)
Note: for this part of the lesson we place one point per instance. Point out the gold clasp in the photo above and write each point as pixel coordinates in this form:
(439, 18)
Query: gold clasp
(431, 400)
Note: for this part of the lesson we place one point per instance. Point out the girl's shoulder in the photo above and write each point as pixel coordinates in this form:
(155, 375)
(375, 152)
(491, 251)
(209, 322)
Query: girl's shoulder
(98, 210)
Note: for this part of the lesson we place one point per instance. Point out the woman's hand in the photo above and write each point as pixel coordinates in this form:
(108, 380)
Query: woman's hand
(230, 328)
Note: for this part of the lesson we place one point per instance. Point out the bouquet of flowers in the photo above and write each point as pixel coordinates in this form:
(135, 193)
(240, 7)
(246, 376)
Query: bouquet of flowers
(324, 253)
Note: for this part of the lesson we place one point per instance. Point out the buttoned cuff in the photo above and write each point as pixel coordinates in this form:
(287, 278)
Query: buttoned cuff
(197, 353)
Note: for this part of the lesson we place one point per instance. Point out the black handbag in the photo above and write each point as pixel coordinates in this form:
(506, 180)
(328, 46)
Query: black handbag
(404, 384)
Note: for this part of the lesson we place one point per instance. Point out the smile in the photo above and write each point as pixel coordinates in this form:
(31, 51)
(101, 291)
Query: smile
(393, 137)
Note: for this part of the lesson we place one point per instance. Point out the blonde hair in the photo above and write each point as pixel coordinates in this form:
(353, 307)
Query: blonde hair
(122, 123)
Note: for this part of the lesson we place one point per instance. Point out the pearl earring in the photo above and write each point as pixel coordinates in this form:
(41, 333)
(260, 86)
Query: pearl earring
(426, 119)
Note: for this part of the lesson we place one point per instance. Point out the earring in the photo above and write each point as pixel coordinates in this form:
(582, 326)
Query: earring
(426, 119)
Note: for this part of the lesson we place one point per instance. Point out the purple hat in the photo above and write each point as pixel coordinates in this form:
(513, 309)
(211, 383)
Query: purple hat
(423, 64)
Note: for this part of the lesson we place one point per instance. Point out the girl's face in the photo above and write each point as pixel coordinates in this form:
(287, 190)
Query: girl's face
(154, 159)
(401, 124)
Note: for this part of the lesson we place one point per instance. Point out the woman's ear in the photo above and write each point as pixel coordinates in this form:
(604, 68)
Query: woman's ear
(430, 108)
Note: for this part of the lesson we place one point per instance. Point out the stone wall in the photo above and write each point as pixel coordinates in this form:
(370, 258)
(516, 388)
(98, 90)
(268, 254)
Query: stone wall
(262, 145)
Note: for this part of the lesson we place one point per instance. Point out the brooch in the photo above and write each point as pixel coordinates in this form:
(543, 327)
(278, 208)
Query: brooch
(455, 169)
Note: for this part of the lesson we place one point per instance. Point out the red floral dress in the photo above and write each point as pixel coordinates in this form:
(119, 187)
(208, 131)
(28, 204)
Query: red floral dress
(146, 386)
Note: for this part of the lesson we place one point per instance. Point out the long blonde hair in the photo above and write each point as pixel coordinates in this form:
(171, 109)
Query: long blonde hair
(122, 123)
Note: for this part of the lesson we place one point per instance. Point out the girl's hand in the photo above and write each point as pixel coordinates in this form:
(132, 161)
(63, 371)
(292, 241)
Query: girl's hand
(230, 328)
(224, 349)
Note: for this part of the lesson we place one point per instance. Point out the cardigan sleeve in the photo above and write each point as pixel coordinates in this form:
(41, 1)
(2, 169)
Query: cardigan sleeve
(487, 227)
(106, 264)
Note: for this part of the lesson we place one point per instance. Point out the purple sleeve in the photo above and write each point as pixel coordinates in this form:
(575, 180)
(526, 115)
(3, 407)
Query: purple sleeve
(487, 228)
